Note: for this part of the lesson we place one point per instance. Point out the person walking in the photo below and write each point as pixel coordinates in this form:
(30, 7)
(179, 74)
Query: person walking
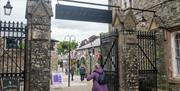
(66, 71)
(72, 72)
(98, 76)
(82, 72)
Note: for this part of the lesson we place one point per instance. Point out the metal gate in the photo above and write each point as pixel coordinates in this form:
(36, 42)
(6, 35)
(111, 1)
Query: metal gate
(109, 62)
(12, 56)
(147, 61)
(141, 70)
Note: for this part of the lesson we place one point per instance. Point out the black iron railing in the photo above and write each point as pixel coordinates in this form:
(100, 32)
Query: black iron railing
(109, 62)
(147, 61)
(12, 54)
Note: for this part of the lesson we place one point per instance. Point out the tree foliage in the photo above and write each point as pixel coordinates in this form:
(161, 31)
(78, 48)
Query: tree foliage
(63, 46)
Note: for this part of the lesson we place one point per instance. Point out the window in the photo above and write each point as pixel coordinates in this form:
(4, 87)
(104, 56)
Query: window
(177, 52)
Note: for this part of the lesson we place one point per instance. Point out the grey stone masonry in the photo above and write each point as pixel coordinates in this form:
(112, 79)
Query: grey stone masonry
(128, 61)
(167, 13)
(38, 14)
(168, 18)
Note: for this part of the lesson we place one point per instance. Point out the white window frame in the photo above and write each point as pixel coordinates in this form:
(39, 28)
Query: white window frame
(174, 61)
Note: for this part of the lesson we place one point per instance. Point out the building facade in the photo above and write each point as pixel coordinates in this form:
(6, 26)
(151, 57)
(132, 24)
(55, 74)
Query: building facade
(162, 16)
(63, 61)
(54, 55)
(88, 55)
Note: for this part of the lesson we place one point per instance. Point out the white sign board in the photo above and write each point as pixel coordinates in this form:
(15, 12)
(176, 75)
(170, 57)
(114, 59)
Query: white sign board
(56, 79)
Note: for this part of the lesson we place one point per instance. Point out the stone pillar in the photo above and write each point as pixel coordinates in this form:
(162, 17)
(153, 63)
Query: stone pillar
(38, 15)
(128, 61)
(162, 81)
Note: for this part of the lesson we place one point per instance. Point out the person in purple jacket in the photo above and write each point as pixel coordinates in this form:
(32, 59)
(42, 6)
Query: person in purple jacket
(94, 76)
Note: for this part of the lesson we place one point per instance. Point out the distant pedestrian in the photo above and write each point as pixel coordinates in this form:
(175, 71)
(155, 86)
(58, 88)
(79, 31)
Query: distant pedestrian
(72, 72)
(98, 77)
(66, 71)
(82, 72)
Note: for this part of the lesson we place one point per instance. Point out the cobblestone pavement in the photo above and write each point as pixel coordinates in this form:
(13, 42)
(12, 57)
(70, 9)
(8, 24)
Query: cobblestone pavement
(75, 85)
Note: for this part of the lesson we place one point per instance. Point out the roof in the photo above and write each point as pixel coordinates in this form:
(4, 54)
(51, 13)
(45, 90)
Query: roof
(95, 43)
(54, 40)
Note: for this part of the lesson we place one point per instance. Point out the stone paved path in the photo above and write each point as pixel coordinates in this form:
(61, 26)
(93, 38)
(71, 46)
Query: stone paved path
(75, 85)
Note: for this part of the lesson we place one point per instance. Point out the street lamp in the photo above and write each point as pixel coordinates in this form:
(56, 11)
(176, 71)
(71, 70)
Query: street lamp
(143, 21)
(91, 51)
(90, 58)
(8, 8)
(70, 39)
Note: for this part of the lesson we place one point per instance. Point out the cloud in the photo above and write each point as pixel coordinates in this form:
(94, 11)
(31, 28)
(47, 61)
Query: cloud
(60, 33)
(82, 30)
(18, 11)
(85, 5)
(59, 28)
(85, 26)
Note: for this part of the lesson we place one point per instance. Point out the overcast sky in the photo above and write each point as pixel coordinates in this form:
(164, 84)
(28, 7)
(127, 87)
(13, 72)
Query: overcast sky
(60, 28)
